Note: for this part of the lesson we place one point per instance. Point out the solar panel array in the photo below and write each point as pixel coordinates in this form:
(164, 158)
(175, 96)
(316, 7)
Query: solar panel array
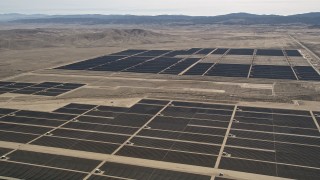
(275, 142)
(188, 62)
(44, 88)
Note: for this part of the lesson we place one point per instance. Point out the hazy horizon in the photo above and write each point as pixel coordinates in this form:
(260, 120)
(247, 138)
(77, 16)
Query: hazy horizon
(159, 7)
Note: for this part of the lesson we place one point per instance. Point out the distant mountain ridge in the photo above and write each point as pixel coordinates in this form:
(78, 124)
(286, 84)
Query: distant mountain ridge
(235, 18)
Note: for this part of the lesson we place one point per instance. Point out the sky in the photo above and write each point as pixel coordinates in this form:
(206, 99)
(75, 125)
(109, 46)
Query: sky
(157, 7)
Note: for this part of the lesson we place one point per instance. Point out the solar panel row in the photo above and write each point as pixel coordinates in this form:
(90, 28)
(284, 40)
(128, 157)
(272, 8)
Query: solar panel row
(260, 141)
(229, 70)
(273, 136)
(154, 66)
(180, 66)
(199, 69)
(45, 88)
(164, 62)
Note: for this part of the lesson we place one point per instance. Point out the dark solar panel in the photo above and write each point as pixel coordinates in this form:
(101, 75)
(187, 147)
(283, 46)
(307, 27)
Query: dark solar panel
(102, 128)
(4, 151)
(46, 115)
(250, 154)
(190, 158)
(180, 66)
(267, 141)
(306, 73)
(81, 145)
(179, 52)
(298, 154)
(229, 70)
(122, 64)
(52, 160)
(91, 63)
(129, 52)
(198, 69)
(258, 144)
(272, 72)
(293, 53)
(241, 52)
(95, 136)
(16, 137)
(202, 105)
(23, 128)
(193, 50)
(141, 152)
(294, 172)
(248, 166)
(154, 66)
(24, 171)
(220, 51)
(155, 53)
(26, 120)
(269, 52)
(45, 88)
(205, 51)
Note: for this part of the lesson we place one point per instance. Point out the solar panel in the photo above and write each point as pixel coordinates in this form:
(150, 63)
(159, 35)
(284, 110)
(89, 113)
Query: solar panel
(129, 52)
(295, 53)
(241, 52)
(193, 50)
(306, 73)
(52, 160)
(155, 53)
(164, 62)
(248, 166)
(220, 51)
(27, 171)
(180, 66)
(154, 66)
(269, 52)
(91, 63)
(267, 141)
(272, 72)
(205, 51)
(121, 65)
(198, 69)
(229, 70)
